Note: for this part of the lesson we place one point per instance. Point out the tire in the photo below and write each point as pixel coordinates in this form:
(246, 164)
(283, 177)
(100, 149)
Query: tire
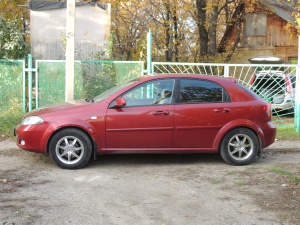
(239, 147)
(70, 149)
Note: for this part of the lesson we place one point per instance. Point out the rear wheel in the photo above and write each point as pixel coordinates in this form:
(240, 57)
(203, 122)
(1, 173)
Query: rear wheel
(239, 147)
(70, 148)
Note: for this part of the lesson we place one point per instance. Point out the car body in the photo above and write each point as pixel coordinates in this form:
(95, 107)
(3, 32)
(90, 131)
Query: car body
(273, 83)
(181, 113)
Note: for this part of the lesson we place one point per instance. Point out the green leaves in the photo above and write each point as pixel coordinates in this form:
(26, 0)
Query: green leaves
(12, 39)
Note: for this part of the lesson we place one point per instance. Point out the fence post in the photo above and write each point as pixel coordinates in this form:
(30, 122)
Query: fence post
(24, 88)
(29, 82)
(149, 52)
(297, 99)
(226, 70)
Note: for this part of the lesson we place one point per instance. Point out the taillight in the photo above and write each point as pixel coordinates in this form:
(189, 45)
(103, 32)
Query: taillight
(288, 84)
(268, 109)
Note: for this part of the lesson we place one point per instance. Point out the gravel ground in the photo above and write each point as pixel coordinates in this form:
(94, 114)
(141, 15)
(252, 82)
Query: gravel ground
(151, 189)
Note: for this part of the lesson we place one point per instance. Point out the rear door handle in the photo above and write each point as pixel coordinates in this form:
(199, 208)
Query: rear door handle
(161, 113)
(222, 110)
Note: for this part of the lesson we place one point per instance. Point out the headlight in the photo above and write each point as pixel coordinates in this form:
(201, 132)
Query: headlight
(31, 120)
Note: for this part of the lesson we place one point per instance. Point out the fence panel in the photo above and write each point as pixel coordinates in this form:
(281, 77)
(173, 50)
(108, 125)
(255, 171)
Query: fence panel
(91, 78)
(11, 85)
(274, 83)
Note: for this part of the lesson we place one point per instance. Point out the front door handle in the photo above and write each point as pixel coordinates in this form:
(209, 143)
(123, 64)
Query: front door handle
(222, 110)
(161, 113)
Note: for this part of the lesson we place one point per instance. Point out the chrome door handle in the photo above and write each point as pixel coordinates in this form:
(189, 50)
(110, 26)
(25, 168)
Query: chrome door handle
(161, 113)
(222, 110)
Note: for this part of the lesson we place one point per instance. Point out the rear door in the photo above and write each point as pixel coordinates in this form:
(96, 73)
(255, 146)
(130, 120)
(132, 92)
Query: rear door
(203, 108)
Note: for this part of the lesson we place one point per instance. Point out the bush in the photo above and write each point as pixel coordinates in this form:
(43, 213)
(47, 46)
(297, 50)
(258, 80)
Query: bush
(8, 121)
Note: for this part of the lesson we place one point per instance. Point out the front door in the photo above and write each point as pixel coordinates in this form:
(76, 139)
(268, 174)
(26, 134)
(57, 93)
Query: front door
(146, 122)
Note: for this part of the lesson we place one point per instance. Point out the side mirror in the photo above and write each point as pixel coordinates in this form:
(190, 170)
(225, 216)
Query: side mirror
(120, 102)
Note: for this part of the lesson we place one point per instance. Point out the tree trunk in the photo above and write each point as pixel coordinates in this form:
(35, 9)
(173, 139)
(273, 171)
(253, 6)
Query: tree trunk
(167, 32)
(233, 25)
(213, 30)
(201, 22)
(176, 38)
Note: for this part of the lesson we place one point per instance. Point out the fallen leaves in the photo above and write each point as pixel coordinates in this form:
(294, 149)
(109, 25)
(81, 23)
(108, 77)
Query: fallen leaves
(3, 181)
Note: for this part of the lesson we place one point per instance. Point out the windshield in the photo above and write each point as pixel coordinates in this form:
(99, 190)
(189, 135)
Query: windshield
(112, 91)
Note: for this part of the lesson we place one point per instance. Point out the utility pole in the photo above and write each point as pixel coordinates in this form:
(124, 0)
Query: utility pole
(70, 53)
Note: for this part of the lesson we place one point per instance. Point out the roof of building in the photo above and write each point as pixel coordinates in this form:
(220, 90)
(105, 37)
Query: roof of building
(38, 5)
(283, 9)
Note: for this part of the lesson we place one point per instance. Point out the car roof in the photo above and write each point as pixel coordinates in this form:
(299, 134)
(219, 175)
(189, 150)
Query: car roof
(186, 75)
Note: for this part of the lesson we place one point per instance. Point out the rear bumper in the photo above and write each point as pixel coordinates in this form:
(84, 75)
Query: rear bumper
(269, 132)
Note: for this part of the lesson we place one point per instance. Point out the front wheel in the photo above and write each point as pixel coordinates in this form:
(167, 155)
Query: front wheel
(239, 146)
(70, 148)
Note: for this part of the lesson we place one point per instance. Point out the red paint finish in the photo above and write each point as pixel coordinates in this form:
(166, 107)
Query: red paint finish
(197, 126)
(162, 113)
(140, 127)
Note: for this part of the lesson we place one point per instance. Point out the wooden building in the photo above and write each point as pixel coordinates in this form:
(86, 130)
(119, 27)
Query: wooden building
(264, 31)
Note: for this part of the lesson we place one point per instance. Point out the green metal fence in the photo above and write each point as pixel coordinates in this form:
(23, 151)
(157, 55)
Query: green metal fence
(281, 92)
(47, 84)
(91, 78)
(11, 85)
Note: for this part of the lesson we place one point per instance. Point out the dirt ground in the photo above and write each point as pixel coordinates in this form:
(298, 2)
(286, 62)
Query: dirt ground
(151, 189)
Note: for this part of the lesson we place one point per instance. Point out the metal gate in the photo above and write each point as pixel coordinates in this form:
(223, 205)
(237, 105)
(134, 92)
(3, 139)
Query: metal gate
(277, 83)
(46, 82)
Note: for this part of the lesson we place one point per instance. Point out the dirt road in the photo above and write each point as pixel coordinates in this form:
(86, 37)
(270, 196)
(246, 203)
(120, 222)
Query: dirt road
(151, 189)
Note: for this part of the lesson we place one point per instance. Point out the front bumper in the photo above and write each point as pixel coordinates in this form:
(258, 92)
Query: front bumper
(32, 137)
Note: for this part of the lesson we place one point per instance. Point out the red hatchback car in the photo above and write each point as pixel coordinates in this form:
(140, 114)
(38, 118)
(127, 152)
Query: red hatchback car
(181, 113)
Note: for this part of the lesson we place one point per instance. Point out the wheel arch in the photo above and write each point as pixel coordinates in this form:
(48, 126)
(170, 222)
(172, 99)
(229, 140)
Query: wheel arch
(229, 127)
(93, 142)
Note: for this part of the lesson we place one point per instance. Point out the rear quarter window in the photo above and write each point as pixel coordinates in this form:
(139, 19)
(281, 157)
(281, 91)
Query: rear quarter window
(249, 92)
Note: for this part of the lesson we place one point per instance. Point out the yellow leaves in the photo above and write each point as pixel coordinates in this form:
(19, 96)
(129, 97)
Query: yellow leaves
(3, 181)
(11, 8)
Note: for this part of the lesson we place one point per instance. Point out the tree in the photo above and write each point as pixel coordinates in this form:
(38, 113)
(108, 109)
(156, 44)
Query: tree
(183, 30)
(201, 24)
(12, 39)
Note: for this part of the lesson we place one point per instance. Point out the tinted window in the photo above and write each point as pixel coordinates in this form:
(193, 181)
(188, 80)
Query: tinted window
(249, 91)
(198, 91)
(151, 93)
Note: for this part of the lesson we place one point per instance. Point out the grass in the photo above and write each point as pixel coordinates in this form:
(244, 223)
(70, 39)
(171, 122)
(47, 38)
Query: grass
(287, 133)
(290, 176)
(239, 181)
(8, 121)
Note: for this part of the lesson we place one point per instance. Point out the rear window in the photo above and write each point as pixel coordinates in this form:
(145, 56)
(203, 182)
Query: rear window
(201, 91)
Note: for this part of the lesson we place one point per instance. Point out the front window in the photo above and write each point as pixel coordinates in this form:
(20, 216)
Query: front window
(151, 93)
